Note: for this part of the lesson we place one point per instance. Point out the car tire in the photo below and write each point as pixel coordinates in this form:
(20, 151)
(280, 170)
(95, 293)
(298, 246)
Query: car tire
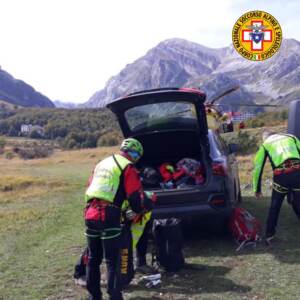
(293, 119)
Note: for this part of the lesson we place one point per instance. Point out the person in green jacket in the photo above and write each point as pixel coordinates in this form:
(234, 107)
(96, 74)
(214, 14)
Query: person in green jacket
(283, 153)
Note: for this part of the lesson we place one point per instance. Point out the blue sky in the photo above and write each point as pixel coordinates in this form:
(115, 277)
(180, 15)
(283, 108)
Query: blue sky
(68, 49)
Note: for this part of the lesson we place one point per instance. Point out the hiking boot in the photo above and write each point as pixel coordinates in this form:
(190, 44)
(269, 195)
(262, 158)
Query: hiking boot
(145, 269)
(268, 240)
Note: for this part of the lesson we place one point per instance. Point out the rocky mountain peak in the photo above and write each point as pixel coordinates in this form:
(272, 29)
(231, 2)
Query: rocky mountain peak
(178, 62)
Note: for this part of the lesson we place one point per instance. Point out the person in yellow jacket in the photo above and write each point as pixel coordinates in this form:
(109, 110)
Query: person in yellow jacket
(140, 227)
(283, 151)
(114, 179)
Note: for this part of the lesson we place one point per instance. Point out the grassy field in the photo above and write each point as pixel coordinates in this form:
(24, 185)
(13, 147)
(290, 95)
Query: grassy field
(41, 231)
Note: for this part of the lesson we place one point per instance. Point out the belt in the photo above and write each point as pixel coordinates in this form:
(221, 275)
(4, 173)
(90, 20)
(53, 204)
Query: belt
(104, 203)
(286, 168)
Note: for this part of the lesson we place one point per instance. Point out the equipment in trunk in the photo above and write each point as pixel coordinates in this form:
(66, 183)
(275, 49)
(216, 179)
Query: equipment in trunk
(186, 172)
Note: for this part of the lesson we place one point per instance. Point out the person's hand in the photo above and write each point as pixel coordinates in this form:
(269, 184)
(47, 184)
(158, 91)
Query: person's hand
(151, 195)
(154, 197)
(258, 195)
(130, 215)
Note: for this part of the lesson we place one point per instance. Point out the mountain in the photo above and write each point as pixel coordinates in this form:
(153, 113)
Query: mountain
(178, 62)
(68, 105)
(20, 93)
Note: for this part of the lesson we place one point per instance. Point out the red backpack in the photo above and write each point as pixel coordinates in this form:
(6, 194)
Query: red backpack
(244, 228)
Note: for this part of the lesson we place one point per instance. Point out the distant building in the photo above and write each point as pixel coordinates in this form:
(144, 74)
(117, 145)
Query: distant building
(27, 129)
(237, 117)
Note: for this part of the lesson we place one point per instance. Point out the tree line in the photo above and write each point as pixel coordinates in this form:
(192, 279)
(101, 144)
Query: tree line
(72, 128)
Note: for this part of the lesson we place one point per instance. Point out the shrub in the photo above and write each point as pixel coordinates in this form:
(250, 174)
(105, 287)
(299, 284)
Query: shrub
(2, 143)
(70, 143)
(109, 139)
(35, 134)
(9, 155)
(268, 118)
(247, 143)
(36, 151)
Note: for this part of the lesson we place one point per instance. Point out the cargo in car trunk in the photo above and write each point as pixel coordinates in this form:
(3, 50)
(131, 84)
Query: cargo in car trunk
(172, 159)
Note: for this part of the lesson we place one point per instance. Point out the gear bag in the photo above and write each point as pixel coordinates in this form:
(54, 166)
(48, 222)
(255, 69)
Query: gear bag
(244, 228)
(125, 263)
(168, 242)
(150, 177)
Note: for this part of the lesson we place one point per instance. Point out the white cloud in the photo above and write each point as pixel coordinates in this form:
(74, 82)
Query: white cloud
(68, 49)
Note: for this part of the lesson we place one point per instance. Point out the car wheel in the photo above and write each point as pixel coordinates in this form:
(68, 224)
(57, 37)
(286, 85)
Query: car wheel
(294, 120)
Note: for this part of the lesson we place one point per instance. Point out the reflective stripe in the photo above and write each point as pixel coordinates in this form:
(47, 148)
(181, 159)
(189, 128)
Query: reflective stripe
(137, 229)
(103, 235)
(279, 188)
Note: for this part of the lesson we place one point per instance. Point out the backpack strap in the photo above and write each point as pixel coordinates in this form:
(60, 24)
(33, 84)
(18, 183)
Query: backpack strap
(117, 163)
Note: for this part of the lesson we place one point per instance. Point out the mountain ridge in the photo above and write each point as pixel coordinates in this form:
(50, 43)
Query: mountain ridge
(178, 62)
(18, 92)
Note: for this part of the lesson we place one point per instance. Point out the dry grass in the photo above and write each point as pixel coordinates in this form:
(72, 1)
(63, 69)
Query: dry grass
(12, 183)
(245, 165)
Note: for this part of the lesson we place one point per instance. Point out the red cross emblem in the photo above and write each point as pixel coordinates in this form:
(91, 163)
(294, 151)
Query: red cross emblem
(257, 46)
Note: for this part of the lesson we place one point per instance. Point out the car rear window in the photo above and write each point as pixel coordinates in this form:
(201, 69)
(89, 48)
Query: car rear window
(165, 115)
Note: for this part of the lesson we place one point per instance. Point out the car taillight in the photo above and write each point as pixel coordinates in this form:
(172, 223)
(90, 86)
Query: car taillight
(219, 169)
(217, 201)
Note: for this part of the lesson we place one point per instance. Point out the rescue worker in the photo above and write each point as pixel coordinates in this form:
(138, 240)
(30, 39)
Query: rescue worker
(140, 229)
(283, 153)
(114, 180)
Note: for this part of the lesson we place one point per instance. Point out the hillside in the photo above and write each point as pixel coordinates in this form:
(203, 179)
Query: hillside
(178, 62)
(20, 93)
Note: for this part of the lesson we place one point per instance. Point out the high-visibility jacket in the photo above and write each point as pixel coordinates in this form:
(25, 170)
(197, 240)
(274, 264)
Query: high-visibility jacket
(279, 148)
(137, 228)
(106, 178)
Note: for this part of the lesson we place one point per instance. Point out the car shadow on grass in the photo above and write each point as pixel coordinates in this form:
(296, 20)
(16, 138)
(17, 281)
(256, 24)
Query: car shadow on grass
(201, 242)
(193, 280)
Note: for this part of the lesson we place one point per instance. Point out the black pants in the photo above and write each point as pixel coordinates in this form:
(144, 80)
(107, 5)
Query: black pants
(288, 182)
(98, 248)
(142, 245)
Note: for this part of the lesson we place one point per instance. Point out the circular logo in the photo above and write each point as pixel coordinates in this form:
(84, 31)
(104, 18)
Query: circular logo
(256, 35)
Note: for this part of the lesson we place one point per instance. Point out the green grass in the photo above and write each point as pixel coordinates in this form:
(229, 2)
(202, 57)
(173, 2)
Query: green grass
(42, 237)
(219, 272)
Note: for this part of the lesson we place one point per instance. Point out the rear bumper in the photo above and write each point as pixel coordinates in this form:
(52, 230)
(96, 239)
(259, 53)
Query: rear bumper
(192, 211)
